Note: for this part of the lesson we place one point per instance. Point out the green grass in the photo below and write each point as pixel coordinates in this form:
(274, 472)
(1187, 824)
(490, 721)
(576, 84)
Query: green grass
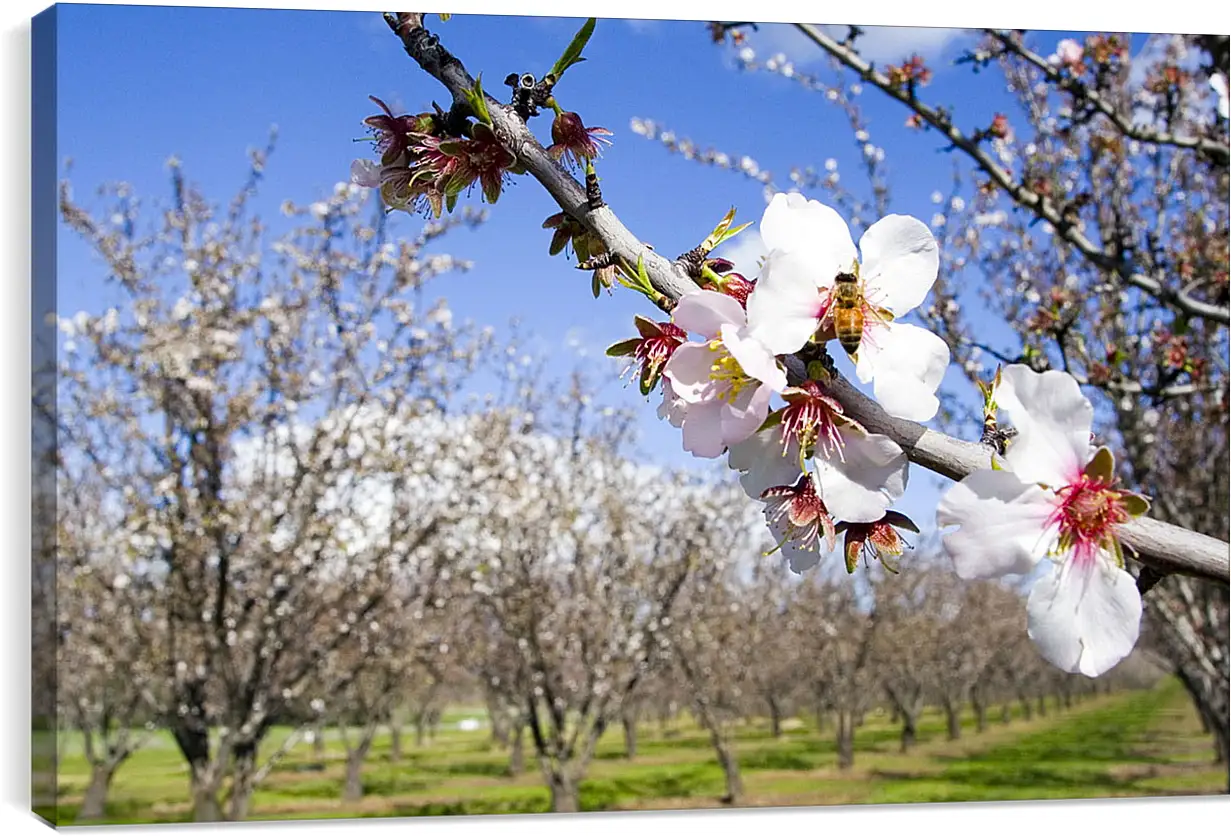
(1131, 744)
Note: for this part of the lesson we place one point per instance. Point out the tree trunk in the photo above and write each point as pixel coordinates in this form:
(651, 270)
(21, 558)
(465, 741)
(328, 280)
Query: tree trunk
(630, 737)
(980, 714)
(395, 742)
(775, 718)
(500, 728)
(1027, 707)
(895, 715)
(204, 778)
(1213, 718)
(909, 731)
(730, 770)
(94, 805)
(953, 718)
(205, 805)
(1042, 705)
(846, 739)
(318, 740)
(517, 754)
(564, 792)
(727, 757)
(820, 719)
(1006, 713)
(240, 796)
(420, 730)
(352, 791)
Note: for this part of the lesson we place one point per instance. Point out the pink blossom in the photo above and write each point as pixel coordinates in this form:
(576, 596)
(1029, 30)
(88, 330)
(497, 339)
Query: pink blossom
(725, 381)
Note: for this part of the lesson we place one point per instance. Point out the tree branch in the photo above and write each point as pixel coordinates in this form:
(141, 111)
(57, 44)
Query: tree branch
(1104, 259)
(1166, 548)
(668, 278)
(1213, 149)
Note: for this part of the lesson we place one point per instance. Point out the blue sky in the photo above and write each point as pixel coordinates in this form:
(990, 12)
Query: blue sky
(139, 84)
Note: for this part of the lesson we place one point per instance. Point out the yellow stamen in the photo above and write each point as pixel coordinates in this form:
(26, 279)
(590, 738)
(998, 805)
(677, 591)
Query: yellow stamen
(726, 370)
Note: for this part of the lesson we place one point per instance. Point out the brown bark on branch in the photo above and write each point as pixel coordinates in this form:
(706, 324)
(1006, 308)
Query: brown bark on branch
(1164, 547)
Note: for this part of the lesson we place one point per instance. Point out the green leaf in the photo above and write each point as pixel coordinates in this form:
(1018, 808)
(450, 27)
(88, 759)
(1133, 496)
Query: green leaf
(596, 286)
(732, 233)
(572, 53)
(712, 240)
(641, 274)
(623, 347)
(478, 102)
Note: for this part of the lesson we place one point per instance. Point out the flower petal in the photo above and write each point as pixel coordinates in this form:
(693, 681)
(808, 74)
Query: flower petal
(907, 364)
(1003, 524)
(785, 306)
(742, 417)
(900, 262)
(673, 408)
(689, 369)
(799, 559)
(754, 359)
(1053, 421)
(793, 223)
(704, 312)
(760, 459)
(365, 173)
(1085, 615)
(703, 430)
(865, 483)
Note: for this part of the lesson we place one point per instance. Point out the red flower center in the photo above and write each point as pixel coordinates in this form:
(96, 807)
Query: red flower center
(801, 511)
(811, 418)
(1088, 513)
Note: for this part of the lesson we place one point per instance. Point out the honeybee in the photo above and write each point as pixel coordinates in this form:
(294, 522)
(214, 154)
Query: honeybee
(848, 311)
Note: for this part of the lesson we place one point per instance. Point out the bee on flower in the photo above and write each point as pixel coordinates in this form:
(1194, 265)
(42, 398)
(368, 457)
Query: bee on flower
(815, 286)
